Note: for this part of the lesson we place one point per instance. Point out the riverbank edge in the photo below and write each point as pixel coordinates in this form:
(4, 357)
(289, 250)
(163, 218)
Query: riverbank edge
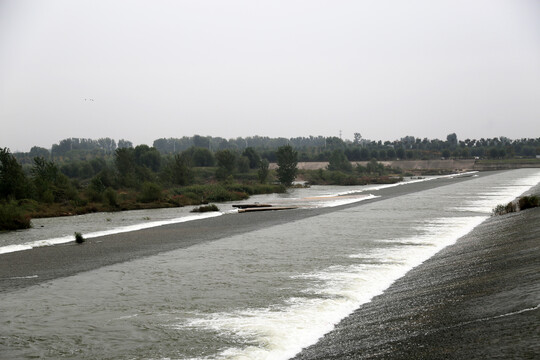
(31, 267)
(476, 299)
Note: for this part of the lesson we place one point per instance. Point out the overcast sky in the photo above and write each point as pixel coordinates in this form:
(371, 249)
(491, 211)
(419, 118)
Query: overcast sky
(384, 68)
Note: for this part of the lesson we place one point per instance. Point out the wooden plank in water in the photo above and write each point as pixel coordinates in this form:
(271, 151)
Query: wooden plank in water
(245, 206)
(267, 208)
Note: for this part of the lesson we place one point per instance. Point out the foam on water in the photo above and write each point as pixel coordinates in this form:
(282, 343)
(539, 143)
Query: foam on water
(500, 195)
(282, 331)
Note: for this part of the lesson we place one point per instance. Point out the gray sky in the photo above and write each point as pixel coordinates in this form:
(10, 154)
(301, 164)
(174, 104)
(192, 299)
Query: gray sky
(384, 68)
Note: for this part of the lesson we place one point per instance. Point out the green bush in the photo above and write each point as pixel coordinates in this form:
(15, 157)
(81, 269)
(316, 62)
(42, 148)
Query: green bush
(79, 239)
(12, 217)
(528, 202)
(110, 197)
(150, 192)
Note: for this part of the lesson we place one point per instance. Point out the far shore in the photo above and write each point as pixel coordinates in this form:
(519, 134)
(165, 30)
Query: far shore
(455, 165)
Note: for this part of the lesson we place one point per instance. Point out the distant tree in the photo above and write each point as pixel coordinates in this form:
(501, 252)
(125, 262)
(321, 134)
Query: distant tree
(124, 160)
(86, 171)
(263, 172)
(71, 169)
(148, 157)
(446, 153)
(528, 151)
(287, 160)
(357, 138)
(390, 154)
(364, 154)
(95, 189)
(253, 156)
(37, 151)
(493, 153)
(124, 144)
(400, 153)
(409, 154)
(339, 162)
(107, 144)
(374, 167)
(50, 184)
(200, 156)
(334, 142)
(452, 139)
(163, 147)
(201, 142)
(223, 145)
(243, 164)
(98, 164)
(182, 171)
(13, 181)
(226, 161)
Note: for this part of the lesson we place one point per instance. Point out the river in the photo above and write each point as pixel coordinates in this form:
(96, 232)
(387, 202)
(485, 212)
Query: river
(265, 294)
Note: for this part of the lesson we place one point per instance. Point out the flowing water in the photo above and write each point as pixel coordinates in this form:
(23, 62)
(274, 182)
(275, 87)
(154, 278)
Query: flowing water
(265, 294)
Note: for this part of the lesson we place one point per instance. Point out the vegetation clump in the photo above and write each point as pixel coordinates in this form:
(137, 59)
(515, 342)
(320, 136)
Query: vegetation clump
(205, 208)
(373, 173)
(523, 203)
(287, 160)
(79, 239)
(12, 217)
(528, 202)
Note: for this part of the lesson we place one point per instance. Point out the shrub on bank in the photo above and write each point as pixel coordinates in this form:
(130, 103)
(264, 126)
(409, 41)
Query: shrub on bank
(200, 194)
(79, 239)
(523, 203)
(12, 217)
(150, 192)
(205, 208)
(528, 202)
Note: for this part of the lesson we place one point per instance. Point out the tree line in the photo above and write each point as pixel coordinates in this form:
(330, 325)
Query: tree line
(134, 177)
(312, 148)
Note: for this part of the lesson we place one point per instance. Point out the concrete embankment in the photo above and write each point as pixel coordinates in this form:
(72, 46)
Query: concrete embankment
(477, 299)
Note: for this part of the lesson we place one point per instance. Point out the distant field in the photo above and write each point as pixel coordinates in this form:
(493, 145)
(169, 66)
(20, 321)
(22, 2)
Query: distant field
(449, 164)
